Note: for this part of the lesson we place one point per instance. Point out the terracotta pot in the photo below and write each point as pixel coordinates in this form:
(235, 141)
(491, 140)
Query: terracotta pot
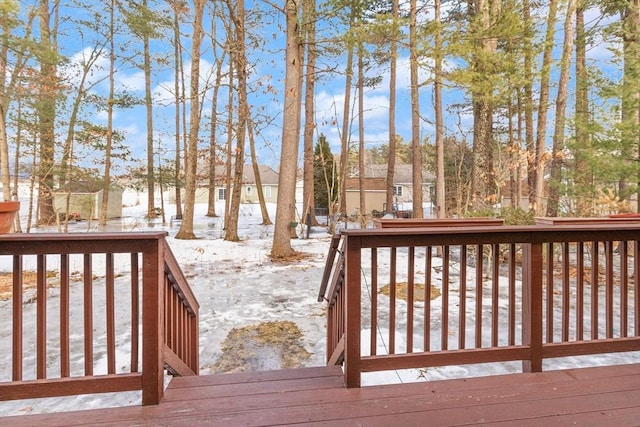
(8, 211)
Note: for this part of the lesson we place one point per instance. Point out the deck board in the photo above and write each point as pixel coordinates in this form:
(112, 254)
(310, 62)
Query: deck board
(316, 396)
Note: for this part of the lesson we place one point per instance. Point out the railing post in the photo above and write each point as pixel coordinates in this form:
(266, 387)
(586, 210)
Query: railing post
(353, 251)
(532, 306)
(152, 323)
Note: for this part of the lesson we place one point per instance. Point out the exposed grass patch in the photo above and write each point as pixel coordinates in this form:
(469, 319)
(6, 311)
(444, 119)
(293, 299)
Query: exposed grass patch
(29, 281)
(402, 289)
(268, 345)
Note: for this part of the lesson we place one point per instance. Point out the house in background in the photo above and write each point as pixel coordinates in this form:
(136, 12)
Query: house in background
(269, 179)
(376, 187)
(83, 201)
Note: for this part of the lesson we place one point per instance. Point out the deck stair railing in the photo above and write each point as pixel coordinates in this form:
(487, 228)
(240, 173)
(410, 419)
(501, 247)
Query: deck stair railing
(465, 294)
(95, 313)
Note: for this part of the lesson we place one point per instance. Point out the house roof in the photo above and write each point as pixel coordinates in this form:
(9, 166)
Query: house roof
(403, 173)
(267, 175)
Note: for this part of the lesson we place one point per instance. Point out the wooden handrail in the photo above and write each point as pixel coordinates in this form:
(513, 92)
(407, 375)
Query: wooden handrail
(536, 300)
(101, 285)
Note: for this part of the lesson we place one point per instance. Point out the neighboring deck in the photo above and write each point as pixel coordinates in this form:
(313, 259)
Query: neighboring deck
(601, 396)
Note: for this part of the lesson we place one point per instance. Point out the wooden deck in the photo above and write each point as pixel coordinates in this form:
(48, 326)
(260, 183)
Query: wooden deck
(601, 396)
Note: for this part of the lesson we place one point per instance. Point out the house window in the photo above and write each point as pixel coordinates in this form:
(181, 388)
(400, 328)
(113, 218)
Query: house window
(397, 190)
(267, 191)
(222, 194)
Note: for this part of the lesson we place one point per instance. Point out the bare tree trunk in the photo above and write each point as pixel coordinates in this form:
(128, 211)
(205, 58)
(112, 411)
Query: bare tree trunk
(308, 202)
(47, 112)
(345, 134)
(528, 105)
(239, 58)
(483, 182)
(416, 146)
(148, 102)
(561, 102)
(543, 107)
(102, 221)
(361, 151)
(177, 59)
(229, 155)
(256, 172)
(391, 161)
(441, 209)
(583, 174)
(213, 157)
(186, 227)
(281, 247)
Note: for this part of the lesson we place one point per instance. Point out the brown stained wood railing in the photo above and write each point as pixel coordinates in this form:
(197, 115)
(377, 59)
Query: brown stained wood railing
(507, 293)
(95, 313)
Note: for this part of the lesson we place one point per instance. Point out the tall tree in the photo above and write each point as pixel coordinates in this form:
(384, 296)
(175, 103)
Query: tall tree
(238, 56)
(483, 185)
(393, 66)
(441, 211)
(416, 147)
(361, 151)
(543, 107)
(186, 228)
(582, 149)
(630, 125)
(529, 137)
(179, 9)
(557, 159)
(345, 129)
(281, 247)
(309, 29)
(46, 107)
(109, 143)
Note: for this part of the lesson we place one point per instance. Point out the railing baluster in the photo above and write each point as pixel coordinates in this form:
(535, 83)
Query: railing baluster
(374, 302)
(462, 328)
(495, 292)
(624, 287)
(580, 278)
(479, 294)
(88, 315)
(636, 287)
(608, 252)
(41, 328)
(444, 331)
(110, 313)
(392, 301)
(16, 374)
(135, 311)
(410, 298)
(594, 289)
(427, 298)
(64, 315)
(550, 291)
(512, 294)
(566, 291)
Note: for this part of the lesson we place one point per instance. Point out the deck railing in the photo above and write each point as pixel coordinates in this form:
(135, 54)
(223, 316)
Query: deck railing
(506, 293)
(95, 313)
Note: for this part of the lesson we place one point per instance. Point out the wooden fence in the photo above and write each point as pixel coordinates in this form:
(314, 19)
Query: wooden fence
(95, 313)
(465, 294)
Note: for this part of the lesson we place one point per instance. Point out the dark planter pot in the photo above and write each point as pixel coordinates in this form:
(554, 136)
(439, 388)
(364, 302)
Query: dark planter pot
(8, 212)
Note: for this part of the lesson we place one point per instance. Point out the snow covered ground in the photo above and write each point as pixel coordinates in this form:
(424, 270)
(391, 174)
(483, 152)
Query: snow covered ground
(237, 285)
